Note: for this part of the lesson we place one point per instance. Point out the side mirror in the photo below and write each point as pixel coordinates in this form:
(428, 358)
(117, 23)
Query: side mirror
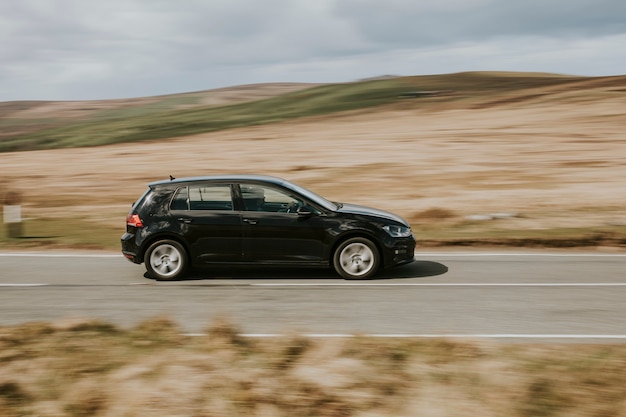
(304, 211)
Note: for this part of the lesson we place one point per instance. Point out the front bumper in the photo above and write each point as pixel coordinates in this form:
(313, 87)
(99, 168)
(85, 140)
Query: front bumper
(399, 251)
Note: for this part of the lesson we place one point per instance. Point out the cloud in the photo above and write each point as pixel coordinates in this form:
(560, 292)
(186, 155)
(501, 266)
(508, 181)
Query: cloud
(75, 49)
(419, 23)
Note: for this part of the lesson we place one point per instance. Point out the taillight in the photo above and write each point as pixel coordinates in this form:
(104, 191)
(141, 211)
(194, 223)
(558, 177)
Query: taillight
(134, 220)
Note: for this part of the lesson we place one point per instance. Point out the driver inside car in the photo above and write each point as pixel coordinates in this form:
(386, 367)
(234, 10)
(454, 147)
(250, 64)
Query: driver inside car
(253, 198)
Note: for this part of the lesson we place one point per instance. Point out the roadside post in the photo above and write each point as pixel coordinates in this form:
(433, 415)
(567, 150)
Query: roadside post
(13, 214)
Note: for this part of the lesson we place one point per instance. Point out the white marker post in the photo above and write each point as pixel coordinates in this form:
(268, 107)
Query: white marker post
(13, 214)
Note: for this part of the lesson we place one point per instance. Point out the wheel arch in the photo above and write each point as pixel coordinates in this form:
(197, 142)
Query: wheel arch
(163, 236)
(362, 234)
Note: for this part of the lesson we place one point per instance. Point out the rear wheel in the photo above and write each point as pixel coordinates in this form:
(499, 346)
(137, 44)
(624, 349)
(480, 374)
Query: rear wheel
(356, 258)
(166, 260)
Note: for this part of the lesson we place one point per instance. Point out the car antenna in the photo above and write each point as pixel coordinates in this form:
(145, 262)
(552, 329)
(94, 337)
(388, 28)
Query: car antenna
(172, 178)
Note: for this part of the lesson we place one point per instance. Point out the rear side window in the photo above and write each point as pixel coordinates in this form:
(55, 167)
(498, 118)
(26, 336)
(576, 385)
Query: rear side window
(203, 197)
(180, 200)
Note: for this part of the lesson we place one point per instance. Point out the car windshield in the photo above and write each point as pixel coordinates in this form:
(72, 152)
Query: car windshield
(317, 199)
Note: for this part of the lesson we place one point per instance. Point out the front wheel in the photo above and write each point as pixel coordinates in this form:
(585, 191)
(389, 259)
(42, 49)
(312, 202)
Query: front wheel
(356, 258)
(166, 260)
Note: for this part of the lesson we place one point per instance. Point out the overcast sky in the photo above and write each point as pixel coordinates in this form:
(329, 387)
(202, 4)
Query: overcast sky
(98, 49)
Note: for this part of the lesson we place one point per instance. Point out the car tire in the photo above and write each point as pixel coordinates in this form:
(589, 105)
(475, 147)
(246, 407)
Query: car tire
(166, 260)
(356, 258)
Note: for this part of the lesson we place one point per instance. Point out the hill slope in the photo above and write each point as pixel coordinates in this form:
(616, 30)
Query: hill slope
(549, 151)
(43, 125)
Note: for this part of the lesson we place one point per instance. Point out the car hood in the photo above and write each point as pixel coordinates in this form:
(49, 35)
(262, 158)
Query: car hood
(369, 211)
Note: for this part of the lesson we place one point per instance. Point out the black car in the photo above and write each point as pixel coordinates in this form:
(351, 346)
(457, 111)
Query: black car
(258, 220)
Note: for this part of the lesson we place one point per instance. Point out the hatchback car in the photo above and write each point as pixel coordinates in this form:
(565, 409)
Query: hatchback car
(258, 220)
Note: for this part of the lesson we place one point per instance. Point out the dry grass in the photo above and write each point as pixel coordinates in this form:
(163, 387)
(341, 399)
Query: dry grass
(432, 214)
(90, 368)
(552, 151)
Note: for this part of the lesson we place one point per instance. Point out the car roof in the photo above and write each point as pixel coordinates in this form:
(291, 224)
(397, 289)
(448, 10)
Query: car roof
(220, 178)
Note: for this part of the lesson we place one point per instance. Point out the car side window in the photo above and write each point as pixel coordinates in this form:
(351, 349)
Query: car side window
(203, 197)
(267, 199)
(180, 200)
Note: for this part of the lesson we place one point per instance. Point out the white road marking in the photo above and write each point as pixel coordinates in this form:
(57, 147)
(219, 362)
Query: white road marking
(360, 285)
(366, 284)
(433, 336)
(418, 255)
(23, 285)
(416, 284)
(65, 285)
(58, 255)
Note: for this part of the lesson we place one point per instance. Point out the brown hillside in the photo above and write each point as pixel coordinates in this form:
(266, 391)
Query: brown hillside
(554, 156)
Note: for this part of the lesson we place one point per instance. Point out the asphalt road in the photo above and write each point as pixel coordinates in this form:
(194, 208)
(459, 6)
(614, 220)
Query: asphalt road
(541, 296)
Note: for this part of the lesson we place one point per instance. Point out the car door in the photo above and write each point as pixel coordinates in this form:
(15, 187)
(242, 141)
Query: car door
(209, 222)
(273, 230)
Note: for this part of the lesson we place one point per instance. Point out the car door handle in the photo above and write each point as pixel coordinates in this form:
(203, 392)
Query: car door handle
(250, 221)
(184, 220)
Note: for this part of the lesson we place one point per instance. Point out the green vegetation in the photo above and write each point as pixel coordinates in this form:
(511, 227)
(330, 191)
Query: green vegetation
(163, 119)
(75, 233)
(442, 227)
(472, 234)
(92, 368)
(89, 233)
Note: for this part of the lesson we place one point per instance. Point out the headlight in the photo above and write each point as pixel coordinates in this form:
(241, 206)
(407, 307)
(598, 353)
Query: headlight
(397, 231)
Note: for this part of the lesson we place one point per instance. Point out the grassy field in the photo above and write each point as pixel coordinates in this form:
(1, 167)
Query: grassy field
(74, 233)
(85, 233)
(90, 368)
(439, 150)
(163, 120)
